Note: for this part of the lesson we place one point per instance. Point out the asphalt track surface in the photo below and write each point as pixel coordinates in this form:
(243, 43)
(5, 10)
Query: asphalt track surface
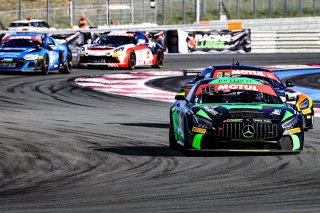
(70, 149)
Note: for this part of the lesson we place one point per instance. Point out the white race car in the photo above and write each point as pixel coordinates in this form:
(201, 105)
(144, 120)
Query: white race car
(121, 49)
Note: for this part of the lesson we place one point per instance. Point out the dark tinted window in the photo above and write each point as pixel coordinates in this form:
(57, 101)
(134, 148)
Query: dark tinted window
(114, 40)
(20, 43)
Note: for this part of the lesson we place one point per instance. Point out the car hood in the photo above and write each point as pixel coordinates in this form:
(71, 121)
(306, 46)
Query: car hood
(274, 113)
(16, 52)
(104, 47)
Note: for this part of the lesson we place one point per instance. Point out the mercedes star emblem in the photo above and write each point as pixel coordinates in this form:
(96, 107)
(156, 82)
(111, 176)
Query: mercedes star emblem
(248, 131)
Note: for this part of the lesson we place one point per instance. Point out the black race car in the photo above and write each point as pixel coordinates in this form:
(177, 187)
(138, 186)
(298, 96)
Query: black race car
(299, 101)
(235, 115)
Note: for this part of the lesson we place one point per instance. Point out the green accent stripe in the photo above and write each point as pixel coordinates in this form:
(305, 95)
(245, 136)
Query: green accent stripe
(197, 141)
(203, 114)
(295, 141)
(286, 115)
(248, 150)
(230, 80)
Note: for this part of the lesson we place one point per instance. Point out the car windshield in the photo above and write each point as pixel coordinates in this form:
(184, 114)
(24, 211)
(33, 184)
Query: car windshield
(19, 25)
(114, 40)
(275, 84)
(20, 43)
(236, 96)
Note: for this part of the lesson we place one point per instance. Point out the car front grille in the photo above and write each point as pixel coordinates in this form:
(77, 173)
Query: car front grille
(16, 63)
(98, 59)
(248, 131)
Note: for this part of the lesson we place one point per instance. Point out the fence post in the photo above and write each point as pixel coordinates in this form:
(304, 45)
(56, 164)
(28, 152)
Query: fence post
(48, 11)
(184, 11)
(254, 8)
(314, 7)
(237, 9)
(163, 17)
(285, 8)
(270, 10)
(20, 9)
(300, 8)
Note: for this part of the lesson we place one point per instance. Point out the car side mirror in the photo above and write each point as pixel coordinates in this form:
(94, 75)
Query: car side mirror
(180, 96)
(141, 42)
(51, 46)
(291, 97)
(289, 83)
(89, 41)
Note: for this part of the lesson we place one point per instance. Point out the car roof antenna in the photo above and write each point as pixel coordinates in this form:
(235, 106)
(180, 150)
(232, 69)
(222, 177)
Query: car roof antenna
(235, 63)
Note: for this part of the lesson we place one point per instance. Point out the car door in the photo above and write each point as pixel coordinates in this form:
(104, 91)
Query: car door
(53, 52)
(143, 53)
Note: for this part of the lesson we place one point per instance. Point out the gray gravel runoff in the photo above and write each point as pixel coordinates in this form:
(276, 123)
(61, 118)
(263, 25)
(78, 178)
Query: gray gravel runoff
(69, 149)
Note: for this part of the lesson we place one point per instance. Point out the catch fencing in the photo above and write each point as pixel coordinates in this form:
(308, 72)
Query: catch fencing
(63, 13)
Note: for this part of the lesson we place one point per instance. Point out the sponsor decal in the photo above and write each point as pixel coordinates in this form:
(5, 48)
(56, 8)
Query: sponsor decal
(40, 57)
(212, 111)
(226, 73)
(115, 33)
(306, 111)
(115, 55)
(247, 72)
(276, 112)
(6, 60)
(248, 131)
(294, 130)
(199, 130)
(261, 120)
(208, 88)
(219, 40)
(237, 87)
(233, 121)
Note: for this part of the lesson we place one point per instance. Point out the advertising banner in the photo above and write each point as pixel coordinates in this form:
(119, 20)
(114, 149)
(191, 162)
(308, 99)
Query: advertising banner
(219, 41)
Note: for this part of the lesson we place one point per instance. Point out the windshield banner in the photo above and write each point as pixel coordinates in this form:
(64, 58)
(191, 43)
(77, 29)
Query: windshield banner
(227, 73)
(219, 41)
(211, 88)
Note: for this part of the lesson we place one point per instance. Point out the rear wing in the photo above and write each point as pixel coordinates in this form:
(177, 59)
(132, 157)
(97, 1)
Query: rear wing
(192, 72)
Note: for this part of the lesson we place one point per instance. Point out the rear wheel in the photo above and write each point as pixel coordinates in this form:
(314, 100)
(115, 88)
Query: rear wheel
(45, 65)
(186, 145)
(67, 65)
(159, 59)
(132, 61)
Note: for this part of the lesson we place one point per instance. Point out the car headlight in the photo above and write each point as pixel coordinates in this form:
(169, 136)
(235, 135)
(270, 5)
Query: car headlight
(82, 49)
(290, 123)
(30, 57)
(120, 49)
(304, 104)
(202, 123)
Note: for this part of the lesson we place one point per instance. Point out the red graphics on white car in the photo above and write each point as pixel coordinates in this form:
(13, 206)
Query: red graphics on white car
(121, 49)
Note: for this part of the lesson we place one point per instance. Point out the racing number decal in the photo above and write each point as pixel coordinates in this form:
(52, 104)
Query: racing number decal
(144, 56)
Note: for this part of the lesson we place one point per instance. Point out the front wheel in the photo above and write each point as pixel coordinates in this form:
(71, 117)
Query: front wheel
(132, 61)
(45, 65)
(172, 141)
(67, 66)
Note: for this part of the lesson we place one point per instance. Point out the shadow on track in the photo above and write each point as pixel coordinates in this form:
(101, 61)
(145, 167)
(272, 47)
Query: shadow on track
(164, 151)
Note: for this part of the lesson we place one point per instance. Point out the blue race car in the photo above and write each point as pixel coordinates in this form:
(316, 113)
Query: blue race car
(34, 52)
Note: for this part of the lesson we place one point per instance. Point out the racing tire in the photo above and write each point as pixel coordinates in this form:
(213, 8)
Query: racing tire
(132, 61)
(186, 146)
(172, 141)
(45, 65)
(159, 59)
(67, 67)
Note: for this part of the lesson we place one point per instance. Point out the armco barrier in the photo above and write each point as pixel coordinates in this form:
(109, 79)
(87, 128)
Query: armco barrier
(285, 41)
